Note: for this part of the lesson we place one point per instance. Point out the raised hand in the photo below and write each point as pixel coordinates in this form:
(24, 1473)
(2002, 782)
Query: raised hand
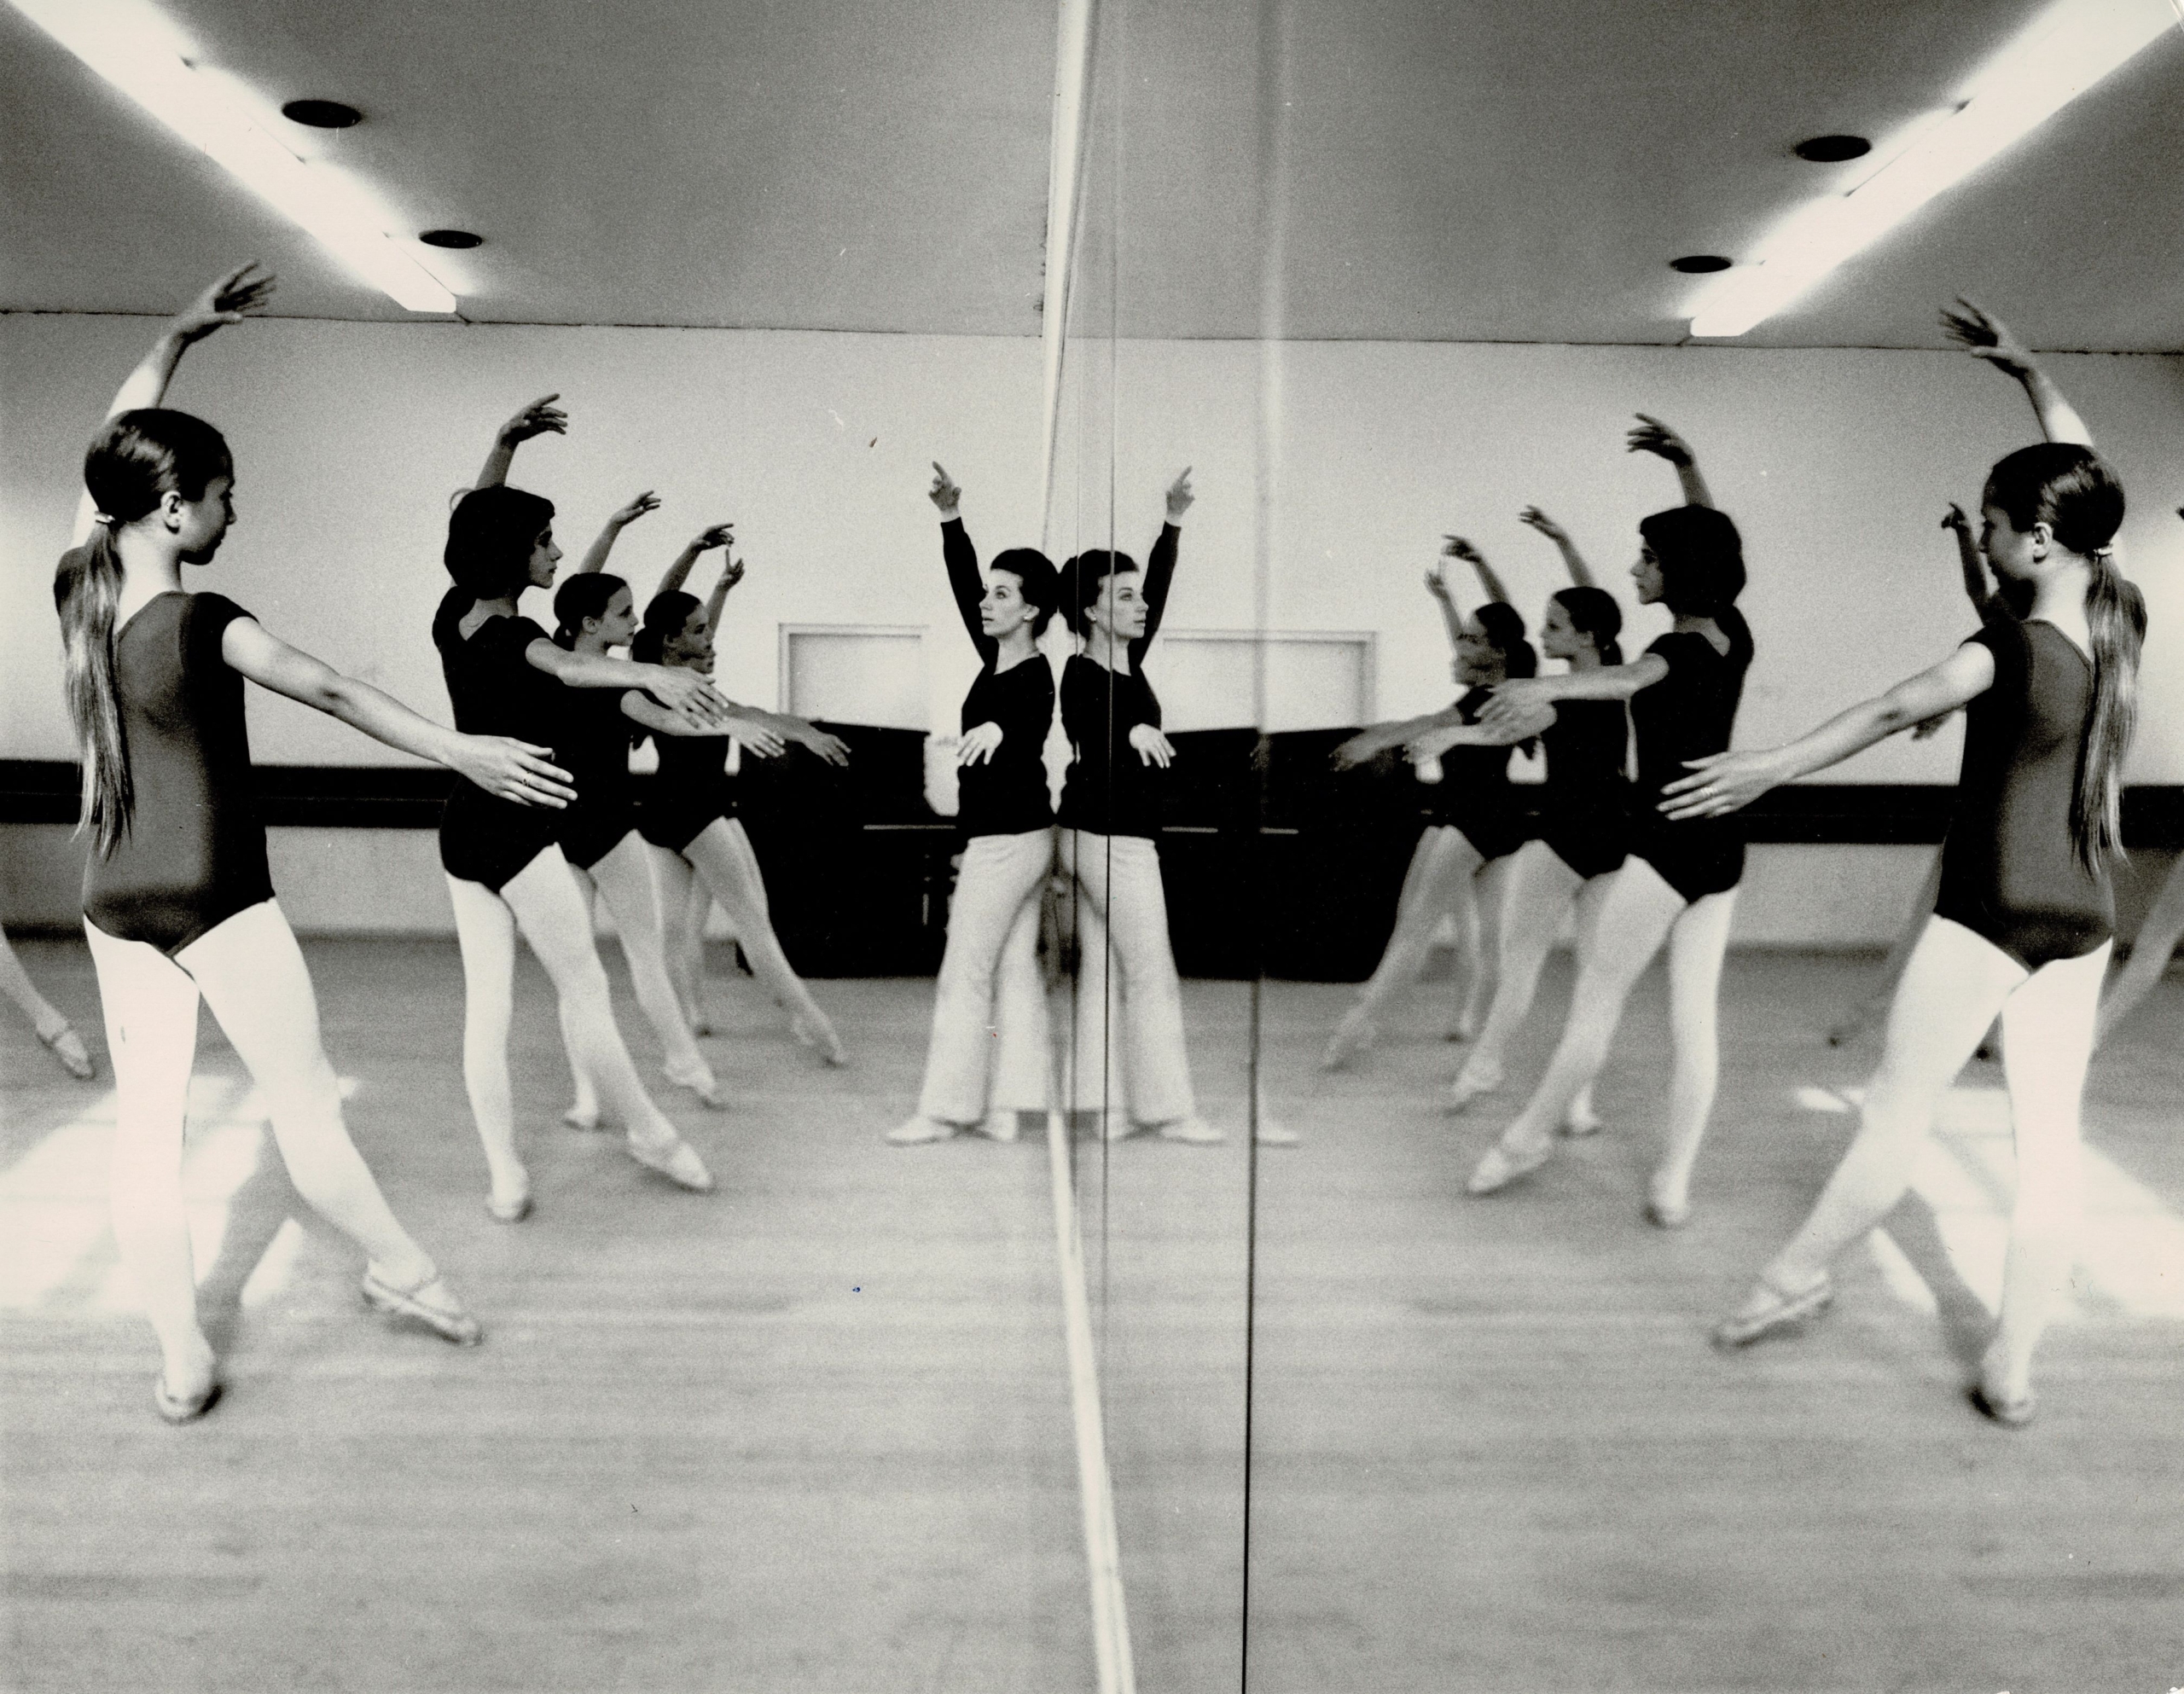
(541, 417)
(1651, 435)
(1180, 497)
(229, 300)
(1532, 518)
(979, 744)
(944, 493)
(512, 770)
(1984, 336)
(719, 535)
(623, 515)
(1437, 585)
(1458, 547)
(1152, 747)
(1954, 518)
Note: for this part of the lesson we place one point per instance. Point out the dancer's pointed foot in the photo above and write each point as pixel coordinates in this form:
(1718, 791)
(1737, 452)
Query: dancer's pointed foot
(1467, 1025)
(921, 1130)
(67, 1046)
(1854, 1023)
(510, 1202)
(1269, 1134)
(674, 1158)
(200, 1377)
(2000, 1394)
(1771, 1309)
(583, 1114)
(1000, 1124)
(1352, 1035)
(699, 1079)
(1193, 1131)
(1480, 1077)
(815, 1028)
(1507, 1162)
(431, 1302)
(1665, 1210)
(1581, 1120)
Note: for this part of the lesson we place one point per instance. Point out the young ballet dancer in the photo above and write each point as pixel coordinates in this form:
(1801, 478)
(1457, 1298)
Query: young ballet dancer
(1679, 878)
(1584, 818)
(1477, 819)
(504, 864)
(179, 904)
(1109, 820)
(594, 613)
(53, 1027)
(700, 849)
(2024, 922)
(989, 1006)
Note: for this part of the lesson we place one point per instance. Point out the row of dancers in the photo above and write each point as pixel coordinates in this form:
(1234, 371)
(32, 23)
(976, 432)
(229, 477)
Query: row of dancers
(2018, 921)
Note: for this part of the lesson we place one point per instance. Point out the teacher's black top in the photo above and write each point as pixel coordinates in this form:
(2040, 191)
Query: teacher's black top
(1005, 794)
(193, 854)
(1109, 789)
(495, 691)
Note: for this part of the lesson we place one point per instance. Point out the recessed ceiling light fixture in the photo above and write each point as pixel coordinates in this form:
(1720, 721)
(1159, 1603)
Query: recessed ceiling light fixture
(322, 114)
(1700, 265)
(1832, 149)
(458, 240)
(137, 48)
(2069, 48)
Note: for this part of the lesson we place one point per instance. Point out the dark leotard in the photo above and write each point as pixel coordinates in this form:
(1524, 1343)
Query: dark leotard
(1585, 811)
(1475, 796)
(691, 790)
(1688, 713)
(2008, 870)
(594, 748)
(1006, 793)
(1110, 790)
(495, 691)
(193, 854)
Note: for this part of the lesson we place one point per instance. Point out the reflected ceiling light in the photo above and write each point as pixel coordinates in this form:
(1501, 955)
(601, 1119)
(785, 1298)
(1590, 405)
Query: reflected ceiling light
(134, 46)
(2068, 49)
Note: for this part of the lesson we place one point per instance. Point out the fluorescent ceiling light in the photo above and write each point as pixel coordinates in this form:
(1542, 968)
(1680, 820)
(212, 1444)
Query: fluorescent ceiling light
(134, 46)
(2066, 51)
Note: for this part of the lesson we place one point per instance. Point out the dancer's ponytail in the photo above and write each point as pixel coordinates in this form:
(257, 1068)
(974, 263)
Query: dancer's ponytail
(2116, 618)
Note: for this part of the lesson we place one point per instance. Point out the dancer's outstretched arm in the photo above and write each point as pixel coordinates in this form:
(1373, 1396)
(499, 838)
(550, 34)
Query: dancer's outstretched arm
(1725, 782)
(542, 416)
(1437, 741)
(1651, 435)
(230, 299)
(1516, 698)
(620, 519)
(1984, 336)
(514, 770)
(1377, 739)
(1581, 574)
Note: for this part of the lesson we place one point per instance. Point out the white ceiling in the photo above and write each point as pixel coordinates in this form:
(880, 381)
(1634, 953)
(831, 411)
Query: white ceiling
(1505, 170)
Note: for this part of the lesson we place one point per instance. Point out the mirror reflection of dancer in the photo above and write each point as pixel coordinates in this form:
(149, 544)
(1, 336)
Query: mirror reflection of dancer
(594, 613)
(701, 853)
(1110, 816)
(2025, 919)
(1585, 817)
(53, 1027)
(990, 983)
(1476, 818)
(504, 866)
(179, 903)
(1679, 879)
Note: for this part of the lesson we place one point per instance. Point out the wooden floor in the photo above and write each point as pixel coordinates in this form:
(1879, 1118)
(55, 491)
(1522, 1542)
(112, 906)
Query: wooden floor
(813, 1432)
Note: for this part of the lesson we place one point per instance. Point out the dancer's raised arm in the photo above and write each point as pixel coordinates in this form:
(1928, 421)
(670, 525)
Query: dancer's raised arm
(542, 416)
(230, 299)
(1458, 547)
(1160, 563)
(620, 519)
(1581, 574)
(1984, 336)
(717, 535)
(961, 558)
(1651, 435)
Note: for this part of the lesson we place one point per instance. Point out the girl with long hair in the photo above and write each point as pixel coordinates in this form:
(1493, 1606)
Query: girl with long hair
(1679, 878)
(505, 868)
(1007, 823)
(2024, 921)
(1476, 818)
(1585, 810)
(179, 903)
(700, 851)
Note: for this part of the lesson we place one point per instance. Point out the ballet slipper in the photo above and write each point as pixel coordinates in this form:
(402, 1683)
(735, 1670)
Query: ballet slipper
(919, 1131)
(674, 1158)
(999, 1125)
(2011, 1414)
(1773, 1310)
(1466, 1028)
(1479, 1077)
(1352, 1035)
(183, 1408)
(1666, 1214)
(67, 1046)
(582, 1115)
(814, 1029)
(513, 1209)
(1504, 1164)
(442, 1313)
(1581, 1120)
(1272, 1134)
(699, 1079)
(1193, 1131)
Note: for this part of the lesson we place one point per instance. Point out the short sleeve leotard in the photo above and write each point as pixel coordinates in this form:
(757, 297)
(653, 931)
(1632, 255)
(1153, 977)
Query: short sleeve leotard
(194, 852)
(1687, 715)
(691, 790)
(495, 691)
(1475, 796)
(594, 748)
(1109, 789)
(2009, 871)
(1585, 810)
(1005, 794)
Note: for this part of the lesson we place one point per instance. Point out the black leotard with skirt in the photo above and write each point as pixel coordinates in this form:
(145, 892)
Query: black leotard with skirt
(495, 691)
(594, 748)
(193, 854)
(1689, 714)
(690, 791)
(1005, 793)
(1474, 795)
(2009, 871)
(1585, 809)
(1110, 788)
